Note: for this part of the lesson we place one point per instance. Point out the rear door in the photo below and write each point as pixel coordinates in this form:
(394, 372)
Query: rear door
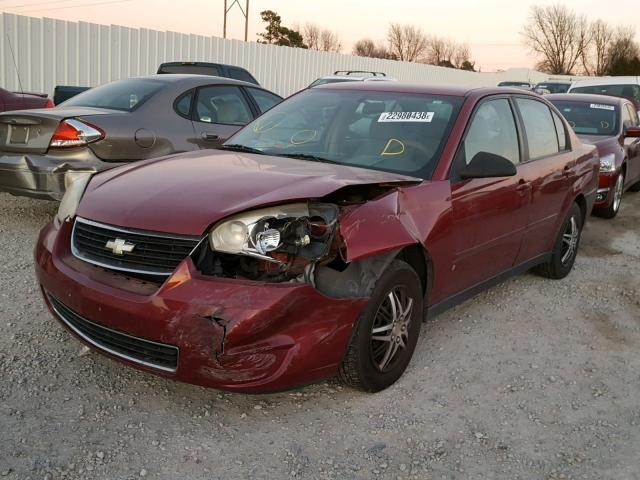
(549, 167)
(489, 213)
(219, 111)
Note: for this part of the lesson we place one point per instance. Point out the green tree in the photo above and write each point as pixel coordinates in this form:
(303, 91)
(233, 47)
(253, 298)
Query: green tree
(277, 34)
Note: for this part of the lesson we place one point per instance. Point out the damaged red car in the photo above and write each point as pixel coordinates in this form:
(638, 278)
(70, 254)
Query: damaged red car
(317, 239)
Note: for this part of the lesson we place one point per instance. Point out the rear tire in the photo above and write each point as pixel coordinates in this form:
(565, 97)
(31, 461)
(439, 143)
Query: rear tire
(565, 248)
(635, 187)
(612, 210)
(385, 335)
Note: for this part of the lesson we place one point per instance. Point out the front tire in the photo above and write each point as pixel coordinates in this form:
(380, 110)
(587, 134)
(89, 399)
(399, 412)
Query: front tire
(385, 335)
(565, 248)
(612, 210)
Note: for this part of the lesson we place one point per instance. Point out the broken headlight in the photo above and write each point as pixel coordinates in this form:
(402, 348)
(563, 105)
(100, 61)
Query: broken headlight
(278, 234)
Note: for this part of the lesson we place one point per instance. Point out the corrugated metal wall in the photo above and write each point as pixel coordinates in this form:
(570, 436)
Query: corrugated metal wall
(54, 52)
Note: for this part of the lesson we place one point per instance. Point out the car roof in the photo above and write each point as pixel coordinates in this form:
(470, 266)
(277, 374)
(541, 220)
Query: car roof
(192, 79)
(555, 82)
(401, 87)
(355, 78)
(586, 97)
(628, 80)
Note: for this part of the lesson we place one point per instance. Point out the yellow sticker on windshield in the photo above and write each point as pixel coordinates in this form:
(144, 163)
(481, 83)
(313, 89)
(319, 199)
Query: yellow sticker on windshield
(303, 136)
(393, 147)
(272, 121)
(604, 124)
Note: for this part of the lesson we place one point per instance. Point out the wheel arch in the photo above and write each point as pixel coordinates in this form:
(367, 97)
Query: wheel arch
(419, 259)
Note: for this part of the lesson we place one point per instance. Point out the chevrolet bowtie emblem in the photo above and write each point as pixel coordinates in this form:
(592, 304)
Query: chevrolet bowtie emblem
(119, 246)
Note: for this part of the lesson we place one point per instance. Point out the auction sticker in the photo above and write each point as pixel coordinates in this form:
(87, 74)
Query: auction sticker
(406, 117)
(602, 107)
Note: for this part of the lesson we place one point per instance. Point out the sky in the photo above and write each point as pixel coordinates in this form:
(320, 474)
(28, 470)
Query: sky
(490, 27)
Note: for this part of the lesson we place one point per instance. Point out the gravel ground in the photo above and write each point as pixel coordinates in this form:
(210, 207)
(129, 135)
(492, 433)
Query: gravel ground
(534, 379)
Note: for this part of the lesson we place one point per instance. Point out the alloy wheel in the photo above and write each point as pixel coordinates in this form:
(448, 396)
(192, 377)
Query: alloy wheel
(617, 193)
(390, 332)
(570, 240)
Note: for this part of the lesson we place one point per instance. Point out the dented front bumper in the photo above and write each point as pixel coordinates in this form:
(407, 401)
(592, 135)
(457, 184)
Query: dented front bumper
(231, 334)
(43, 176)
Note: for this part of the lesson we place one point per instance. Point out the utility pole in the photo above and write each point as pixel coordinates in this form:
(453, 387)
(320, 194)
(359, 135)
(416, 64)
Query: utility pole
(245, 14)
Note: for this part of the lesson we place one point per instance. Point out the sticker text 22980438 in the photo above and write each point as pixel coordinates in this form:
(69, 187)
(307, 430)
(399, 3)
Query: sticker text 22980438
(406, 117)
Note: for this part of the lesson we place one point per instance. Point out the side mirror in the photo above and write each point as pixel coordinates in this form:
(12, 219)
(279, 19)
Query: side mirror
(633, 132)
(488, 165)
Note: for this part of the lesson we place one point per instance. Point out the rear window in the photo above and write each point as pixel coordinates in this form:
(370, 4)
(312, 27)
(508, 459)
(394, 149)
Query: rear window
(554, 87)
(190, 69)
(241, 74)
(125, 95)
(587, 118)
(627, 91)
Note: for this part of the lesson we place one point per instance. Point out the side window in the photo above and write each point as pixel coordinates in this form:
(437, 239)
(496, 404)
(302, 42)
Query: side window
(539, 127)
(634, 115)
(183, 104)
(561, 133)
(493, 130)
(222, 104)
(241, 74)
(264, 99)
(626, 118)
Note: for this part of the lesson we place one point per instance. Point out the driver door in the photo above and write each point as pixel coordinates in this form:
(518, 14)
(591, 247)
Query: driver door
(489, 214)
(219, 112)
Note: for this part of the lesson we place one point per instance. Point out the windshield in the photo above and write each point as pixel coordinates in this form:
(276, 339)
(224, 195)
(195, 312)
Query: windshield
(554, 87)
(206, 69)
(515, 84)
(391, 131)
(590, 118)
(627, 91)
(125, 95)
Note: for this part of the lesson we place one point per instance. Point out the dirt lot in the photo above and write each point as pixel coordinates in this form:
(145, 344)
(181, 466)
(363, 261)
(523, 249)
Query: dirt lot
(534, 379)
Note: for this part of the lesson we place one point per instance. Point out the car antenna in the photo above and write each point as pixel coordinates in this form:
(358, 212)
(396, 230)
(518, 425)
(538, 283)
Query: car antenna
(15, 65)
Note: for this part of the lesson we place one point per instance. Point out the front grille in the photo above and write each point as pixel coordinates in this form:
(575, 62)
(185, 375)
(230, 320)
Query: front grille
(152, 254)
(134, 349)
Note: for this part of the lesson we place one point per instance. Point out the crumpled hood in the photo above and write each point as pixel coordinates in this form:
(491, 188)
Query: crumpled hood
(186, 193)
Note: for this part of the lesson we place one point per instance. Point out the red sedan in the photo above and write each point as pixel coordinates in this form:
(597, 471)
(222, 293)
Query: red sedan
(612, 125)
(22, 101)
(315, 241)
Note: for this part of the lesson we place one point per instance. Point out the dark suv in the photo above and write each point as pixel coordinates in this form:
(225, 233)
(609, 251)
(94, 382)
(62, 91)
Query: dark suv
(205, 68)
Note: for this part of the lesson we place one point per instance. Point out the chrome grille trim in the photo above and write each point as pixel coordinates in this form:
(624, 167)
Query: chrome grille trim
(139, 270)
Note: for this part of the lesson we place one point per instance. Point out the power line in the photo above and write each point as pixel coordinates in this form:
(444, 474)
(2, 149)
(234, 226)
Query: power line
(38, 3)
(73, 6)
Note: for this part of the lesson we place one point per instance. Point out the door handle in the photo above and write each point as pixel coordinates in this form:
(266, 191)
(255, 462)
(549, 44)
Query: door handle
(210, 137)
(522, 185)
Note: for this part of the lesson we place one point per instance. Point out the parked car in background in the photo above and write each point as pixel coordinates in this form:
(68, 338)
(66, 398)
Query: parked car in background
(206, 68)
(624, 87)
(611, 124)
(545, 88)
(41, 151)
(315, 240)
(513, 84)
(341, 76)
(22, 101)
(62, 93)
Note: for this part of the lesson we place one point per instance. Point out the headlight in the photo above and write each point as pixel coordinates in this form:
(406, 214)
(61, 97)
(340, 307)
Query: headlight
(71, 199)
(608, 163)
(278, 233)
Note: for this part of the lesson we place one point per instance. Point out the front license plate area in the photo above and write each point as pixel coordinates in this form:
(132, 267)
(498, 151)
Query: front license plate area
(18, 134)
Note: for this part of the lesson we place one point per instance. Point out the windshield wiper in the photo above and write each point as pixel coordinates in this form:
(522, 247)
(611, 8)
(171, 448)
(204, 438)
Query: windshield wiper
(306, 156)
(236, 147)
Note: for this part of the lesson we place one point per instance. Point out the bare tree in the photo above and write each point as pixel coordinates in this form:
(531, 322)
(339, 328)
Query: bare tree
(595, 56)
(558, 35)
(448, 53)
(624, 53)
(317, 38)
(367, 48)
(330, 42)
(406, 42)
